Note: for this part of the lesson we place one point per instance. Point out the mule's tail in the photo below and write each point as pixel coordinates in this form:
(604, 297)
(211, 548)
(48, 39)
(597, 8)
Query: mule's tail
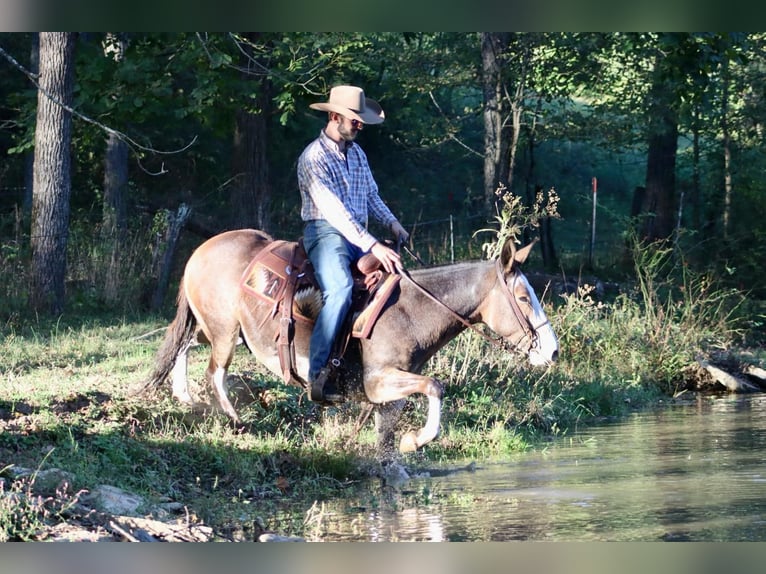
(179, 337)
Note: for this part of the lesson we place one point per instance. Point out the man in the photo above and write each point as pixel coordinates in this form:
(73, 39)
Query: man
(338, 193)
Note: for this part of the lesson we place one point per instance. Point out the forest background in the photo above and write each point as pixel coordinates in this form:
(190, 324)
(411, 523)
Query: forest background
(200, 132)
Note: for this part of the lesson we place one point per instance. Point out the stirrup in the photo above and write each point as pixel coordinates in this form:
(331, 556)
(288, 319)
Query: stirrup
(317, 390)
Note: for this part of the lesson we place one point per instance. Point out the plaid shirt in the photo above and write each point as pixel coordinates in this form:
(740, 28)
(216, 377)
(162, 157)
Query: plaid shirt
(339, 188)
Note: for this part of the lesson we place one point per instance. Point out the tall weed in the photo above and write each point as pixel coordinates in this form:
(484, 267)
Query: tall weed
(654, 329)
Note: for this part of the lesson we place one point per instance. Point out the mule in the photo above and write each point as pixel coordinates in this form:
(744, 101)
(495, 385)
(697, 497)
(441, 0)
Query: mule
(432, 306)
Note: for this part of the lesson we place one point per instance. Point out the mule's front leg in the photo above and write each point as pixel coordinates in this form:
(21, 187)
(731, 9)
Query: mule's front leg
(386, 416)
(388, 385)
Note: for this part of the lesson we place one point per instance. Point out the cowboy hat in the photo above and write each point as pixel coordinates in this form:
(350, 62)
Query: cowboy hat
(349, 101)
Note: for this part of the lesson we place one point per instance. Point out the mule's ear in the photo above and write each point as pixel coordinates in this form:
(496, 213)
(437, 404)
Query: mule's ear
(508, 254)
(511, 257)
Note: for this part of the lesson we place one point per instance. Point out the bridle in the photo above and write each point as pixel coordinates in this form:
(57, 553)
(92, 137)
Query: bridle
(529, 331)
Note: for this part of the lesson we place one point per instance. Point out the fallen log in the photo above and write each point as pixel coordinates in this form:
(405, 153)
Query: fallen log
(731, 382)
(756, 373)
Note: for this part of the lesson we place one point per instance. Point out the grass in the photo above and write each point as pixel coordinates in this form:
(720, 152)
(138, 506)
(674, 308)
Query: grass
(65, 403)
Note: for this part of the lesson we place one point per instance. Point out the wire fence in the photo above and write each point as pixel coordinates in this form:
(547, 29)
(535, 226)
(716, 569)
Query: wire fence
(446, 239)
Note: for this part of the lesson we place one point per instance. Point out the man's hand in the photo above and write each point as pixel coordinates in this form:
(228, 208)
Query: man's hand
(399, 232)
(388, 257)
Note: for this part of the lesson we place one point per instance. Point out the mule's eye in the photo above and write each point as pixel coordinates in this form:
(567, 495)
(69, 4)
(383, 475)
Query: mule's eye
(524, 299)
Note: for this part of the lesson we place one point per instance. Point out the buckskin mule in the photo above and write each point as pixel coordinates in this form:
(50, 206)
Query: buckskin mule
(432, 307)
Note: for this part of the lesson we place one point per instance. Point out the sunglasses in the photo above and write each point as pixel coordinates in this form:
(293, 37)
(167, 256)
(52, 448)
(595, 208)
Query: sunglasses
(356, 124)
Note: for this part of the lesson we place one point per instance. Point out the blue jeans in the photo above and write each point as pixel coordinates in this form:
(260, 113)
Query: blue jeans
(331, 255)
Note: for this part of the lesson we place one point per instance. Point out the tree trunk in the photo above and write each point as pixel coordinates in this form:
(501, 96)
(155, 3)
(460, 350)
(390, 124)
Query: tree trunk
(550, 260)
(661, 158)
(251, 192)
(29, 157)
(114, 223)
(661, 183)
(492, 46)
(175, 226)
(114, 213)
(52, 172)
(727, 185)
(696, 191)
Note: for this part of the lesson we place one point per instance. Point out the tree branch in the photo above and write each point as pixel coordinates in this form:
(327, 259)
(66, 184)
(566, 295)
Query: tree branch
(134, 145)
(452, 136)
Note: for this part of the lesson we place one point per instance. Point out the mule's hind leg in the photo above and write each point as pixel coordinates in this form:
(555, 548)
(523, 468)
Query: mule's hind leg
(217, 369)
(179, 374)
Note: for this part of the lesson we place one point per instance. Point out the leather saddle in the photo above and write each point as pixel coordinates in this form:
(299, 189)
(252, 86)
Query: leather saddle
(281, 274)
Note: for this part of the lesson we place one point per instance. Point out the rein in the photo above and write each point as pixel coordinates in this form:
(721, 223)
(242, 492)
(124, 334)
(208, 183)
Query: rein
(498, 342)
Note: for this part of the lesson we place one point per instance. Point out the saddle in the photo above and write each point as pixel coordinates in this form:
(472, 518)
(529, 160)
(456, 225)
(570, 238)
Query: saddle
(281, 274)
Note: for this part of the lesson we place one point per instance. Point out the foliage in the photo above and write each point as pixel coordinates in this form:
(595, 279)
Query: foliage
(584, 97)
(26, 515)
(651, 333)
(514, 218)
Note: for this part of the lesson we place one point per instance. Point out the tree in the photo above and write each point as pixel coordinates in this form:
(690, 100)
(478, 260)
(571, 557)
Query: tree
(250, 192)
(52, 167)
(114, 223)
(662, 116)
(493, 46)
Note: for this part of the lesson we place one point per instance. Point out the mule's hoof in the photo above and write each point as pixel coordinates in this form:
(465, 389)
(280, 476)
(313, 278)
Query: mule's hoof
(394, 474)
(409, 442)
(184, 398)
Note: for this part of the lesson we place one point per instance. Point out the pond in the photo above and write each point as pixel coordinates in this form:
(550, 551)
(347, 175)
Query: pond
(692, 470)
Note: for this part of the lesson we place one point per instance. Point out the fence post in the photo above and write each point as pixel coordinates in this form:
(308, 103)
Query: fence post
(451, 240)
(177, 223)
(594, 185)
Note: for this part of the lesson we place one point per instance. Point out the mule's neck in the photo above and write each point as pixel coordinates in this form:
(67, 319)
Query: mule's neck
(462, 287)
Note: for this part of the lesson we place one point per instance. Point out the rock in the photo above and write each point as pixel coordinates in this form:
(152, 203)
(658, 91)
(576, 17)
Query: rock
(136, 529)
(50, 482)
(394, 474)
(68, 532)
(15, 472)
(113, 500)
(53, 482)
(271, 537)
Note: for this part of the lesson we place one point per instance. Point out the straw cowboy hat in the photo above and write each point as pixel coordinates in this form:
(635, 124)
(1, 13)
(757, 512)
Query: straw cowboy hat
(349, 101)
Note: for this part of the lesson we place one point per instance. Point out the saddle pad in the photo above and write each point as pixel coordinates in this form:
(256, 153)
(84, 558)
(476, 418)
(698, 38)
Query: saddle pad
(268, 274)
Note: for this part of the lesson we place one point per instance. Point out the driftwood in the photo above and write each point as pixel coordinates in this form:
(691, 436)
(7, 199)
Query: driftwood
(135, 529)
(756, 373)
(731, 382)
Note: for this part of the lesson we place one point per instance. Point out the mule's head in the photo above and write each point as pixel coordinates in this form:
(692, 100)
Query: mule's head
(514, 312)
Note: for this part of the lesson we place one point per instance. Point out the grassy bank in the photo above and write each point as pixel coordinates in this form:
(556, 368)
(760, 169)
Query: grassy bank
(65, 404)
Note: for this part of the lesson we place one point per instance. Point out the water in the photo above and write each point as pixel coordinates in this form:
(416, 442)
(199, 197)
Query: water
(694, 471)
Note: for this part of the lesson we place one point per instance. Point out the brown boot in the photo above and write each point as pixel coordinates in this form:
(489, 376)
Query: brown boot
(323, 389)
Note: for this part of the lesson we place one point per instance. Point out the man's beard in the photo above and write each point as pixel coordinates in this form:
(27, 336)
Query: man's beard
(348, 135)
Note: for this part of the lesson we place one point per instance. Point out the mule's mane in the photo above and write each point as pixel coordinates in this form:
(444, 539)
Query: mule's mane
(439, 270)
(441, 278)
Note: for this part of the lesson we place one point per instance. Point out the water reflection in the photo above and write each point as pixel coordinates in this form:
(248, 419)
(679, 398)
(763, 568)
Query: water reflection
(694, 471)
